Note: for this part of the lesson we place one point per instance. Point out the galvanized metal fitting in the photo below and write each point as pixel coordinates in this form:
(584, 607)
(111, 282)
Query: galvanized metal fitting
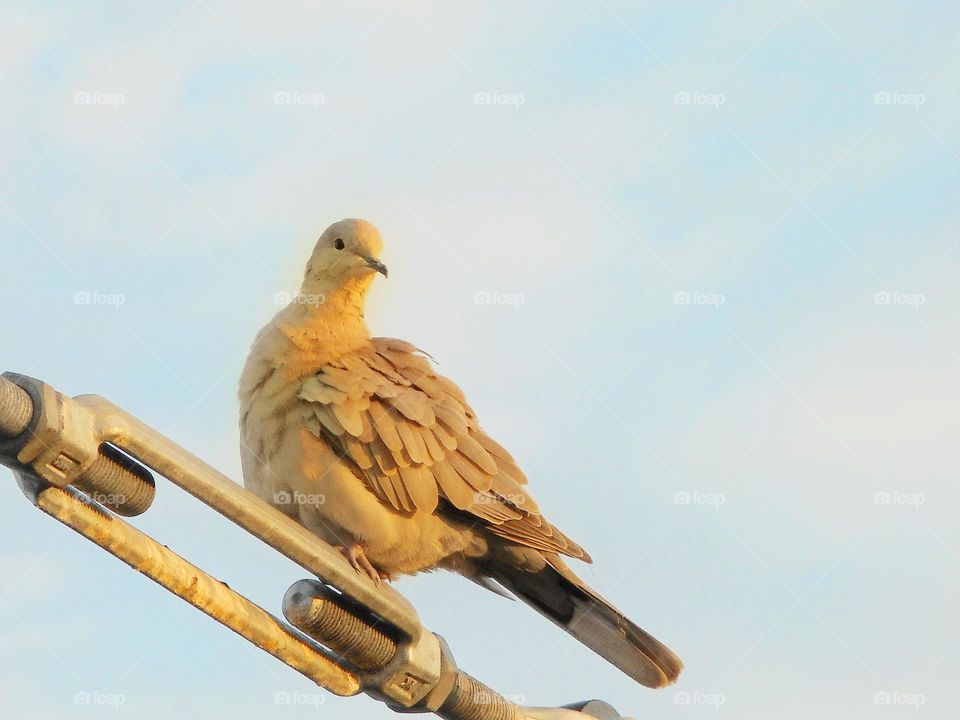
(61, 444)
(399, 670)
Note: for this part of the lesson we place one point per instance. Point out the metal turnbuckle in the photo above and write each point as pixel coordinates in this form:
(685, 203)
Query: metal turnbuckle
(86, 463)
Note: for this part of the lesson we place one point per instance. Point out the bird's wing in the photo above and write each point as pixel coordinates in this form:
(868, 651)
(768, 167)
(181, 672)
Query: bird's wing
(416, 441)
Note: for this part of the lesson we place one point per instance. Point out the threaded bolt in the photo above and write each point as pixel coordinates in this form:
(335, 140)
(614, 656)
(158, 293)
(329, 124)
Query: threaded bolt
(16, 408)
(343, 632)
(472, 700)
(111, 484)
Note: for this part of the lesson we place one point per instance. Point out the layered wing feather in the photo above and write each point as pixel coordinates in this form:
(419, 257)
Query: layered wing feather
(413, 437)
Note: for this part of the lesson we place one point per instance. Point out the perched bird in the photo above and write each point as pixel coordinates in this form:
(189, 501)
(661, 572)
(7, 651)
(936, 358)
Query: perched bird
(360, 440)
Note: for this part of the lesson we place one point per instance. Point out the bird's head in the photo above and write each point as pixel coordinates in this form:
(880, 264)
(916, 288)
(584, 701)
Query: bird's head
(346, 257)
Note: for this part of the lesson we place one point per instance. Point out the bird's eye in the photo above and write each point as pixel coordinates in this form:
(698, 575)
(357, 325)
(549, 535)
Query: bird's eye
(338, 243)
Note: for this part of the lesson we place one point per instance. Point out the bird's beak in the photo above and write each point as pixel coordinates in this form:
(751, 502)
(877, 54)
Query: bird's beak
(376, 265)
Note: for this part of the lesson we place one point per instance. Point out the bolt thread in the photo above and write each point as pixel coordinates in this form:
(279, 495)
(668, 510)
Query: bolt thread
(350, 637)
(470, 699)
(115, 486)
(16, 408)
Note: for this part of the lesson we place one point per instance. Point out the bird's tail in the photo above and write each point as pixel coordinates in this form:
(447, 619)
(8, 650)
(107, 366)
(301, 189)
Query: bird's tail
(557, 592)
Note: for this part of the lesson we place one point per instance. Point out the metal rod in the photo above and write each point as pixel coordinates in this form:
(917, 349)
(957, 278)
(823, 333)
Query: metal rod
(248, 511)
(188, 582)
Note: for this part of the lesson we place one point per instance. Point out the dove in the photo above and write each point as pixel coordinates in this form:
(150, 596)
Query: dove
(364, 443)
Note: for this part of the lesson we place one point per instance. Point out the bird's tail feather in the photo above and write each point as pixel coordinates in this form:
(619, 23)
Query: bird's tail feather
(557, 593)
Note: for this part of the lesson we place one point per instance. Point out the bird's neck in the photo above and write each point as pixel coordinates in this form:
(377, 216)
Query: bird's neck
(323, 323)
(343, 301)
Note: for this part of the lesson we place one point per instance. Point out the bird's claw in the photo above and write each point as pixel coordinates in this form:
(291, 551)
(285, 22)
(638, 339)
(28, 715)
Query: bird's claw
(359, 562)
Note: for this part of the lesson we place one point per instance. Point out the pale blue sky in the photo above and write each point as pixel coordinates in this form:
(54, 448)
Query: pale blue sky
(811, 178)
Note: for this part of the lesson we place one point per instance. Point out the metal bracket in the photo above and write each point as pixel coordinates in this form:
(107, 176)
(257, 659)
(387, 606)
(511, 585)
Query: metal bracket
(378, 642)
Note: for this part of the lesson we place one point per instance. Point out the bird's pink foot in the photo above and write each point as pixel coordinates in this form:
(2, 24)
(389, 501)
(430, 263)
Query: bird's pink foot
(358, 560)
